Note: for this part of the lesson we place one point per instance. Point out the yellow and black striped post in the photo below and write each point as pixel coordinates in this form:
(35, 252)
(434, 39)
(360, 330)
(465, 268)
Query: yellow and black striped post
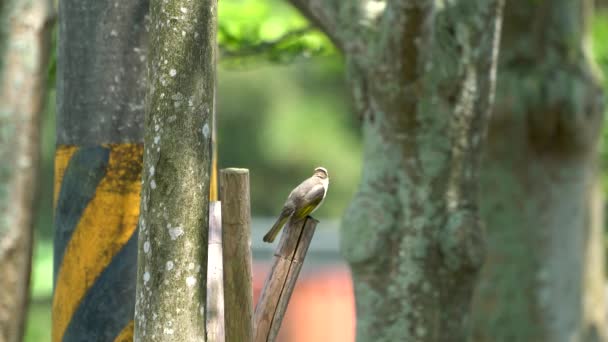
(96, 213)
(101, 85)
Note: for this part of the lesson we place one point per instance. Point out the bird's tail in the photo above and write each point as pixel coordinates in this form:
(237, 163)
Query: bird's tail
(276, 228)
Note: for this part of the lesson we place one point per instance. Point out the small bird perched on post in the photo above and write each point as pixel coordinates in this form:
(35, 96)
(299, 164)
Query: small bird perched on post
(302, 201)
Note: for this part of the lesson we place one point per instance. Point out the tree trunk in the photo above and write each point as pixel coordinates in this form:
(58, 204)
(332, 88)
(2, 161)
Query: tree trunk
(24, 55)
(98, 163)
(171, 281)
(422, 77)
(544, 277)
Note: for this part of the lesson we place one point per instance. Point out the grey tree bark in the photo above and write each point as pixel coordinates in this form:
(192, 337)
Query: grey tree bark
(172, 262)
(544, 277)
(25, 28)
(422, 77)
(101, 78)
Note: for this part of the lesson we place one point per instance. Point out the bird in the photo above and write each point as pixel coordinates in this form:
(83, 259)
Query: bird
(302, 201)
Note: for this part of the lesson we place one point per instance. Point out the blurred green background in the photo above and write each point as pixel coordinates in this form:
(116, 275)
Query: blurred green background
(282, 111)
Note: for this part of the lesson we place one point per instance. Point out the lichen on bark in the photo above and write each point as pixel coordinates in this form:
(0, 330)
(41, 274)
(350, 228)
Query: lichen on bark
(422, 76)
(544, 275)
(172, 263)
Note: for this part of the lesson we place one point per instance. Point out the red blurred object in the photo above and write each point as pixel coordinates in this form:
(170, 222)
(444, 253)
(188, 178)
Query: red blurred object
(321, 308)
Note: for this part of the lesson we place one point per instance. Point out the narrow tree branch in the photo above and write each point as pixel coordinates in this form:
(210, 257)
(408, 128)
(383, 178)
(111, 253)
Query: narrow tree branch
(322, 14)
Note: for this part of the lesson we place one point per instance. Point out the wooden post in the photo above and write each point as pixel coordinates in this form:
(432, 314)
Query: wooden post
(215, 277)
(236, 228)
(281, 281)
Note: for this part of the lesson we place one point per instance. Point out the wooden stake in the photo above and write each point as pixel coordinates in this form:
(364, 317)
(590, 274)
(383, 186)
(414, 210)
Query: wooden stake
(236, 223)
(215, 277)
(281, 281)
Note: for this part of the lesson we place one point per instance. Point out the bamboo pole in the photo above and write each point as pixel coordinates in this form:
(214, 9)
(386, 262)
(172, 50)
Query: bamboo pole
(215, 277)
(236, 228)
(281, 281)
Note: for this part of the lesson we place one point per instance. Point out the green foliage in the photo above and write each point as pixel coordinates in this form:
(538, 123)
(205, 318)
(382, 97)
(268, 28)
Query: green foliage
(38, 326)
(600, 41)
(600, 55)
(253, 30)
(52, 69)
(42, 270)
(39, 315)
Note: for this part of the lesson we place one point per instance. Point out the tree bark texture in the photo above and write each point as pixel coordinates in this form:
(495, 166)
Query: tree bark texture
(103, 48)
(98, 162)
(25, 31)
(173, 237)
(422, 77)
(544, 276)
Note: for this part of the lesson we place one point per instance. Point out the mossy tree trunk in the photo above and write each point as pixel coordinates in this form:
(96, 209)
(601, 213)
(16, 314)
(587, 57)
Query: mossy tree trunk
(25, 28)
(171, 280)
(422, 77)
(544, 277)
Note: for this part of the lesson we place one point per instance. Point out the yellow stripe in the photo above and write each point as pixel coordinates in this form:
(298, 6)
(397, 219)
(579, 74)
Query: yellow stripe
(213, 195)
(105, 226)
(63, 154)
(126, 335)
(213, 181)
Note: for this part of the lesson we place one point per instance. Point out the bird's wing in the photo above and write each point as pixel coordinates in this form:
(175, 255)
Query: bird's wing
(310, 201)
(315, 195)
(297, 194)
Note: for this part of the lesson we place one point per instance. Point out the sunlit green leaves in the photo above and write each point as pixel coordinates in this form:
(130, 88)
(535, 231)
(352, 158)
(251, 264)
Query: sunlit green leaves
(254, 30)
(600, 55)
(600, 43)
(600, 39)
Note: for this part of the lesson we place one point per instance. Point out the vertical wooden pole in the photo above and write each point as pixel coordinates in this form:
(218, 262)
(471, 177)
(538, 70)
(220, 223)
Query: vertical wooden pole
(215, 277)
(281, 281)
(236, 228)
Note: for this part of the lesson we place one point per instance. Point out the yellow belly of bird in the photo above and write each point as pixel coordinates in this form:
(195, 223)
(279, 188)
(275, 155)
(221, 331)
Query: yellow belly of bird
(305, 211)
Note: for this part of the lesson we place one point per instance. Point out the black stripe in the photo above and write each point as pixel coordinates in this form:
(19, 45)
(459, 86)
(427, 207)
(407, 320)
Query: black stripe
(82, 175)
(109, 304)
